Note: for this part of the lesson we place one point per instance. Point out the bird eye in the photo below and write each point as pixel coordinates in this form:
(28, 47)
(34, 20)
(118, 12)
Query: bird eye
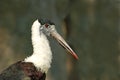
(46, 25)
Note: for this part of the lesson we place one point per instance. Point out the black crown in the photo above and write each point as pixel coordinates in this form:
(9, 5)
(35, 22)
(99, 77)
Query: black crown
(44, 21)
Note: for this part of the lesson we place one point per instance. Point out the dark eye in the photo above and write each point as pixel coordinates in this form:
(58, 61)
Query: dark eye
(46, 25)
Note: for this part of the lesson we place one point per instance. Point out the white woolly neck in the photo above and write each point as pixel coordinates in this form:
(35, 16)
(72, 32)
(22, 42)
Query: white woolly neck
(42, 54)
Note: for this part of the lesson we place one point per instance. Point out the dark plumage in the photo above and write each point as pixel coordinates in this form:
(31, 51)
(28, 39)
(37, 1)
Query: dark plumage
(22, 71)
(44, 21)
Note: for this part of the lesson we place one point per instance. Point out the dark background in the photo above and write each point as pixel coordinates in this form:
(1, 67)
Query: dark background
(91, 27)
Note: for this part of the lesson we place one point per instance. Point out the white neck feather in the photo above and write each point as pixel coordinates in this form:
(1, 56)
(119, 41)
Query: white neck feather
(42, 54)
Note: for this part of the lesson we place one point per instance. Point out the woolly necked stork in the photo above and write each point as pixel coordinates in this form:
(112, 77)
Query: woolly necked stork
(36, 66)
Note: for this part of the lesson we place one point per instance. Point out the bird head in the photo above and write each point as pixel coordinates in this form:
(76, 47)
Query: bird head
(48, 28)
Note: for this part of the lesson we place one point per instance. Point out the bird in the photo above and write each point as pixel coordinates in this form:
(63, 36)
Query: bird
(36, 66)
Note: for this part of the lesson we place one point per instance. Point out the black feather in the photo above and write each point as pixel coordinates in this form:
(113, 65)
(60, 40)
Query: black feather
(22, 71)
(44, 21)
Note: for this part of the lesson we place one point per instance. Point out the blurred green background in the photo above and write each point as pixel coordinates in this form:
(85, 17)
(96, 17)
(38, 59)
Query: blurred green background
(91, 27)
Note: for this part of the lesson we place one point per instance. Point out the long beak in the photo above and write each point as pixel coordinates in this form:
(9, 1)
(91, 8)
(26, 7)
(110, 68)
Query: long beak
(63, 43)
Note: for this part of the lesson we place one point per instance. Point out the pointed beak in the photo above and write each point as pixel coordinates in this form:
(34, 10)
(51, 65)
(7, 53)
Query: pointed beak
(63, 43)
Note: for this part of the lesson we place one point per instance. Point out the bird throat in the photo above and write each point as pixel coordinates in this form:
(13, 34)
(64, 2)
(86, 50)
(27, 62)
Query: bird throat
(42, 54)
